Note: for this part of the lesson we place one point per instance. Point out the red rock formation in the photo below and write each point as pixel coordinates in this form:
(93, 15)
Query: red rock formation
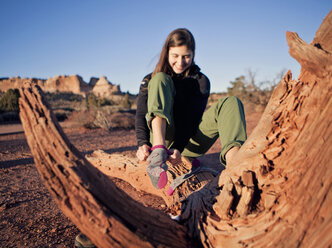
(105, 89)
(73, 83)
(16, 82)
(277, 193)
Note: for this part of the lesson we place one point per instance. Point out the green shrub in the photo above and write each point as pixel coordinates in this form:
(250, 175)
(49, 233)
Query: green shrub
(104, 102)
(9, 101)
(249, 91)
(65, 101)
(91, 101)
(125, 103)
(66, 96)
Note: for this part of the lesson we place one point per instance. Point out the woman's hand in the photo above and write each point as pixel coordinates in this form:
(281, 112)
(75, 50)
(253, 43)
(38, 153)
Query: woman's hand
(175, 158)
(143, 152)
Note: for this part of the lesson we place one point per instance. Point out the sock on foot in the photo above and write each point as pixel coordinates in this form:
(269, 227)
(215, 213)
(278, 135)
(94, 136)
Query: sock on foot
(157, 166)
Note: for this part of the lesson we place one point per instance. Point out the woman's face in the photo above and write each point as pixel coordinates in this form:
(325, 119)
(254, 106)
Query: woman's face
(180, 58)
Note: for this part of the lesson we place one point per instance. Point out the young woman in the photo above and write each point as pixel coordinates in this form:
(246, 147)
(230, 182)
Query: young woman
(170, 118)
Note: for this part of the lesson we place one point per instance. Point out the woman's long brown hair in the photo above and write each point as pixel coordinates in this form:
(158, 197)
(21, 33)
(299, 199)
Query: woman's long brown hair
(178, 37)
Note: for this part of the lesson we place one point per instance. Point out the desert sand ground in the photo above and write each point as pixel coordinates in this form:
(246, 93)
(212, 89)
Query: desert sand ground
(28, 215)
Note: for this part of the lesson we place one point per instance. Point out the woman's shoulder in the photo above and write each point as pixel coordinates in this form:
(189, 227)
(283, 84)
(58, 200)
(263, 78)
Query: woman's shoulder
(143, 88)
(201, 77)
(147, 78)
(198, 74)
(145, 81)
(204, 78)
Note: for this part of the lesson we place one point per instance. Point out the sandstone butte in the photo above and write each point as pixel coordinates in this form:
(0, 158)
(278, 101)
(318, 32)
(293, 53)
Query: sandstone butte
(277, 193)
(103, 88)
(74, 84)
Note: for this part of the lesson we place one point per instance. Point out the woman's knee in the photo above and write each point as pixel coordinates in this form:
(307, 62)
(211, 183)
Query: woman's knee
(231, 100)
(161, 84)
(229, 103)
(161, 78)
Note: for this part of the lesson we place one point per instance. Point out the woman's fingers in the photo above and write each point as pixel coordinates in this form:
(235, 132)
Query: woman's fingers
(143, 152)
(175, 158)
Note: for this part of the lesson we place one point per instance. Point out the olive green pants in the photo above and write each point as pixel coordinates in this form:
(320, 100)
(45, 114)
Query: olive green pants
(224, 119)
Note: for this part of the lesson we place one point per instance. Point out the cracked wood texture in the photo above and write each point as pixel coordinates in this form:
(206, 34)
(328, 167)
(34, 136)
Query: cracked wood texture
(134, 172)
(288, 200)
(276, 193)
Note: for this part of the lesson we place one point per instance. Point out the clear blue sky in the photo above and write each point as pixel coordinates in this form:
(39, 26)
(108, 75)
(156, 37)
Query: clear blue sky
(122, 39)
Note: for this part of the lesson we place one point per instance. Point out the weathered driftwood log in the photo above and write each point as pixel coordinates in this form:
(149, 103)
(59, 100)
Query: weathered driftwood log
(276, 193)
(88, 197)
(134, 172)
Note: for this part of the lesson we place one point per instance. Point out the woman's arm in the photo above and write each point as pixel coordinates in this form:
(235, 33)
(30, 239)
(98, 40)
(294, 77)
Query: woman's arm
(141, 128)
